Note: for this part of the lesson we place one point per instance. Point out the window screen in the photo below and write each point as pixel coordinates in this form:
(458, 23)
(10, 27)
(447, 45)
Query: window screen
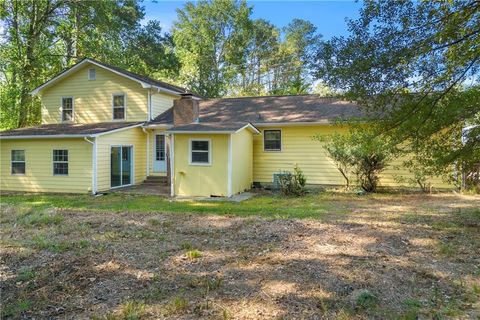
(60, 162)
(67, 109)
(200, 152)
(118, 106)
(272, 140)
(18, 161)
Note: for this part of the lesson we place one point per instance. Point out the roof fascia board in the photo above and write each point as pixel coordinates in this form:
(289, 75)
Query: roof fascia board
(50, 136)
(248, 126)
(200, 132)
(276, 124)
(80, 64)
(158, 126)
(62, 136)
(116, 130)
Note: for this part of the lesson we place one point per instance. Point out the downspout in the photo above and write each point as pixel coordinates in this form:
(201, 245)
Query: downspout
(94, 163)
(172, 169)
(149, 105)
(229, 167)
(148, 149)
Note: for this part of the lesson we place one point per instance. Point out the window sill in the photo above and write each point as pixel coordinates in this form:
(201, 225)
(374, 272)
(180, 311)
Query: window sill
(200, 164)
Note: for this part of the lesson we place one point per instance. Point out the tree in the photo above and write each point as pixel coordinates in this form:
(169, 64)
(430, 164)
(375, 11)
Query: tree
(360, 151)
(41, 38)
(414, 67)
(210, 39)
(291, 73)
(338, 149)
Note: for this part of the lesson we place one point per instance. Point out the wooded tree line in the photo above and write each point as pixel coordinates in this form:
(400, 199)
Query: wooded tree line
(412, 65)
(215, 48)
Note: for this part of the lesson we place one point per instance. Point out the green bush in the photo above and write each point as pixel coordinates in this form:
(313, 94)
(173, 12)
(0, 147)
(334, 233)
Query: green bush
(361, 152)
(293, 184)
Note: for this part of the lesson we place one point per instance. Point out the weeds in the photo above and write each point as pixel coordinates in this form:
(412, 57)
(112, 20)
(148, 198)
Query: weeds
(366, 300)
(177, 305)
(25, 274)
(14, 310)
(39, 218)
(193, 254)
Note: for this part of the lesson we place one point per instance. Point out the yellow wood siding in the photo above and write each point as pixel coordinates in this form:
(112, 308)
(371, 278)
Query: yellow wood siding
(242, 161)
(134, 137)
(195, 180)
(93, 98)
(299, 148)
(161, 103)
(39, 166)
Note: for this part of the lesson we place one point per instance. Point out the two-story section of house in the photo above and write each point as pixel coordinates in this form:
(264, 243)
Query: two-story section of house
(91, 138)
(105, 128)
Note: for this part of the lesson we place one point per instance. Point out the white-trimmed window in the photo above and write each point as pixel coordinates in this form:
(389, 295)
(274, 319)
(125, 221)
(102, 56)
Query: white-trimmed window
(272, 140)
(200, 152)
(118, 102)
(92, 74)
(18, 161)
(60, 162)
(67, 109)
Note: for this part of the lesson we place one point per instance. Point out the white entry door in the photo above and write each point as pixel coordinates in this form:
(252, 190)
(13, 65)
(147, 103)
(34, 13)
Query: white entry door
(160, 161)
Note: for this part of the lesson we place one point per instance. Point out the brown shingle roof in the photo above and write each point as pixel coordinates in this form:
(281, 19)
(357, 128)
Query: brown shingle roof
(272, 109)
(210, 127)
(277, 109)
(67, 129)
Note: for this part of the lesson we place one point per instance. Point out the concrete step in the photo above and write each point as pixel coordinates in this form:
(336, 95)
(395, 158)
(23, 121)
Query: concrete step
(156, 180)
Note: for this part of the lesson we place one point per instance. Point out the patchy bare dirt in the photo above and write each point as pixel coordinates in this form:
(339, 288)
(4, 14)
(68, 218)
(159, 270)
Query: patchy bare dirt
(405, 256)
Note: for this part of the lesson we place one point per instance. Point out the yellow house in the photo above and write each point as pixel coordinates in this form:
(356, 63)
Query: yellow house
(105, 128)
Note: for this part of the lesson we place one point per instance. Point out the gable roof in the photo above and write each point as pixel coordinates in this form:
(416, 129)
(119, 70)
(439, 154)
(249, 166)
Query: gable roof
(65, 130)
(145, 81)
(271, 110)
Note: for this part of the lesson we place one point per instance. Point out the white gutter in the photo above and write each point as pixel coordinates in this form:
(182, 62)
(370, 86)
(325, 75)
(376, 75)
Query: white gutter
(94, 164)
(148, 150)
(229, 167)
(62, 136)
(201, 132)
(158, 126)
(172, 168)
(287, 124)
(52, 136)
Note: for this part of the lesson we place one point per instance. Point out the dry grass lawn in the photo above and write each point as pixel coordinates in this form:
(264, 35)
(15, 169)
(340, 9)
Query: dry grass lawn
(390, 256)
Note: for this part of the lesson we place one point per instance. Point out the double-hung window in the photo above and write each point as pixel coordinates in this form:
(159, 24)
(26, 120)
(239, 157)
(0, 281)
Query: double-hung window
(91, 74)
(18, 161)
(60, 162)
(67, 109)
(272, 140)
(119, 106)
(200, 152)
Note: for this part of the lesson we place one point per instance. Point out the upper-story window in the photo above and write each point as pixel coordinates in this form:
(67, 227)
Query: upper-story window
(67, 109)
(119, 106)
(91, 74)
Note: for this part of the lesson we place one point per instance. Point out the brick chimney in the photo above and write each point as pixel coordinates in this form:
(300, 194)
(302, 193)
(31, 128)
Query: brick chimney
(185, 109)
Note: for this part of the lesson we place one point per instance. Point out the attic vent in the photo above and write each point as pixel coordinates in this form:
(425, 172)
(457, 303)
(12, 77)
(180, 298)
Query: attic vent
(91, 74)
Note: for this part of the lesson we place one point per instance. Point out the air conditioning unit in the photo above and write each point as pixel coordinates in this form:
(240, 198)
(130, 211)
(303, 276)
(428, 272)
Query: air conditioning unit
(276, 179)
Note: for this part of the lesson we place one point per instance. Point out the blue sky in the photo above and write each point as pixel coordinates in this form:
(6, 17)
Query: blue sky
(328, 16)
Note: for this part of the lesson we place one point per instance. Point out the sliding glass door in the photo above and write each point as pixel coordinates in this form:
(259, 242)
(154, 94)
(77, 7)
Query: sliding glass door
(121, 166)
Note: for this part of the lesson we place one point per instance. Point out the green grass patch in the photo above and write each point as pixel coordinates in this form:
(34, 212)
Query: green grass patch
(15, 309)
(310, 206)
(25, 274)
(193, 254)
(34, 216)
